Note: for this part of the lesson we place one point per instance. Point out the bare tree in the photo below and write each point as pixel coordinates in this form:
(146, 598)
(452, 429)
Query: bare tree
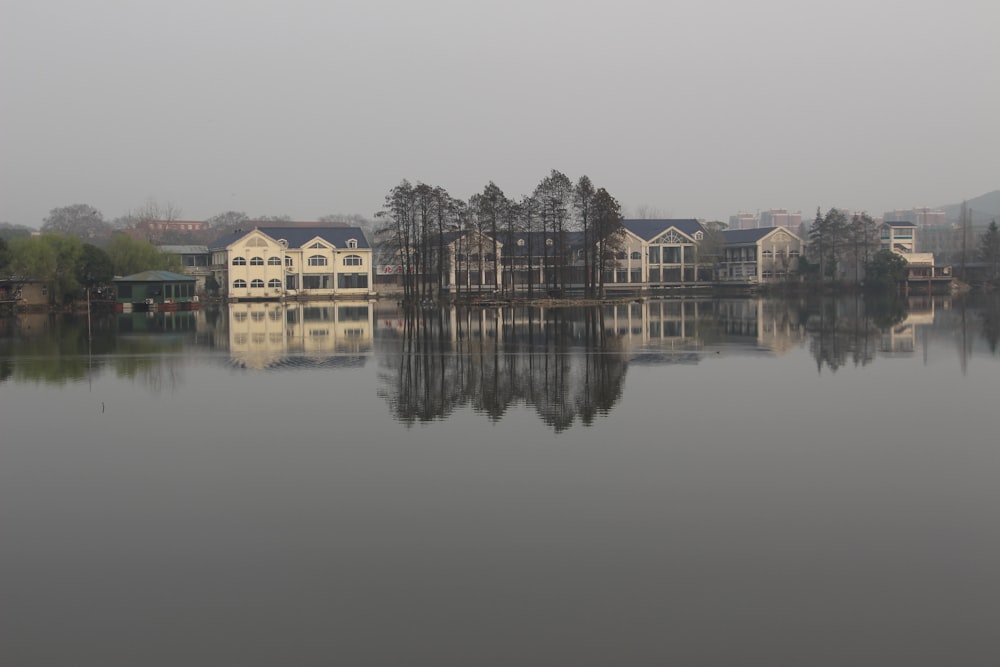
(80, 220)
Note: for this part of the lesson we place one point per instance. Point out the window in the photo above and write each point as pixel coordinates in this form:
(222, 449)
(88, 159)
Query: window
(239, 283)
(257, 316)
(548, 242)
(317, 260)
(520, 242)
(766, 253)
(239, 261)
(352, 280)
(256, 261)
(317, 245)
(352, 243)
(240, 315)
(257, 283)
(636, 255)
(274, 261)
(274, 282)
(288, 261)
(698, 236)
(352, 260)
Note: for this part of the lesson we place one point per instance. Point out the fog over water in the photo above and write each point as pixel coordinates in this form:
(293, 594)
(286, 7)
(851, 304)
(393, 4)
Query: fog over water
(300, 108)
(662, 482)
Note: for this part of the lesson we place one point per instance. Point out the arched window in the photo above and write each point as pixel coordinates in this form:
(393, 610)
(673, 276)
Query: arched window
(548, 242)
(239, 261)
(520, 242)
(352, 260)
(239, 283)
(274, 261)
(636, 254)
(317, 260)
(274, 282)
(256, 283)
(256, 261)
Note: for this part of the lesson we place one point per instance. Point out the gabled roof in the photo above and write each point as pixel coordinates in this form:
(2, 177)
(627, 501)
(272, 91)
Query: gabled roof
(648, 230)
(154, 277)
(740, 236)
(299, 236)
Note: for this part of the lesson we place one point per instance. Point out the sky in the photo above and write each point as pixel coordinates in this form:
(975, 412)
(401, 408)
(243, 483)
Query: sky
(690, 108)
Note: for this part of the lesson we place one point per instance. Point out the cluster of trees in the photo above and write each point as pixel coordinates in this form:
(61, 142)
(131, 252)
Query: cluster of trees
(848, 244)
(67, 265)
(89, 224)
(417, 222)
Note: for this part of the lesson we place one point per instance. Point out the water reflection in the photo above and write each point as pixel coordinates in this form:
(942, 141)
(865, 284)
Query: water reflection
(567, 364)
(278, 335)
(563, 363)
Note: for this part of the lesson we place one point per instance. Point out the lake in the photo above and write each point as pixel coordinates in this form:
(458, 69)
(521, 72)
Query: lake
(696, 481)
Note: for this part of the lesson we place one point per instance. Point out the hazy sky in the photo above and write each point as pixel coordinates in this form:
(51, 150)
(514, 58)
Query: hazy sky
(698, 108)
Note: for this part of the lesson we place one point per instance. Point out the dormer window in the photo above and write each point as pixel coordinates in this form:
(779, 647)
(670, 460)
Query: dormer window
(698, 236)
(548, 242)
(352, 243)
(520, 242)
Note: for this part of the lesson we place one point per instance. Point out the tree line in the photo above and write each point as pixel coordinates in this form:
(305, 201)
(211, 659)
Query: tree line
(67, 265)
(424, 230)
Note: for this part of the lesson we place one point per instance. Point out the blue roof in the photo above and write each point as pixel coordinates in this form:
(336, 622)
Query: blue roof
(154, 277)
(299, 236)
(650, 229)
(748, 235)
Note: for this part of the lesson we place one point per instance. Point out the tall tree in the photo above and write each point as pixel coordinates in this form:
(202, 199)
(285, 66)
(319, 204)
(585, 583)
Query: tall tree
(129, 256)
(989, 249)
(711, 246)
(396, 232)
(583, 203)
(228, 222)
(94, 267)
(862, 241)
(51, 258)
(80, 220)
(609, 233)
(554, 194)
(490, 208)
(529, 221)
(827, 239)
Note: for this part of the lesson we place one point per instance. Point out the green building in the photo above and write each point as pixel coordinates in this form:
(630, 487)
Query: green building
(155, 290)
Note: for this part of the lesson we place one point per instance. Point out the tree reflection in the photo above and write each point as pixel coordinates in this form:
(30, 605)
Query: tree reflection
(560, 362)
(855, 329)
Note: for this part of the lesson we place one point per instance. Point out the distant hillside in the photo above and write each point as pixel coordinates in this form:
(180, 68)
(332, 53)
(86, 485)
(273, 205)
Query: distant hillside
(984, 208)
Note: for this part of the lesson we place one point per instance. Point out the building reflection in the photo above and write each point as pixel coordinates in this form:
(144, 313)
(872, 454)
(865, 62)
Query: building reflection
(269, 334)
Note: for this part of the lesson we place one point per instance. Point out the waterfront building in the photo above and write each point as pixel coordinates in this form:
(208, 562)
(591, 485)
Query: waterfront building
(274, 263)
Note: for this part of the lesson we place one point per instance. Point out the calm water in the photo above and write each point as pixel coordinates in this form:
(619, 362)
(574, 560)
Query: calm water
(736, 482)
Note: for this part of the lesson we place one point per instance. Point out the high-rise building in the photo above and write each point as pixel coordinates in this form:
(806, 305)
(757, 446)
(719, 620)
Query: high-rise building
(919, 216)
(743, 220)
(781, 217)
